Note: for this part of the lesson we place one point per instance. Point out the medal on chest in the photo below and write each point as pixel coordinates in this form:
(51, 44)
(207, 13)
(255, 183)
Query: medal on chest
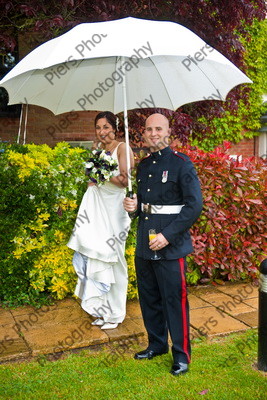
(164, 176)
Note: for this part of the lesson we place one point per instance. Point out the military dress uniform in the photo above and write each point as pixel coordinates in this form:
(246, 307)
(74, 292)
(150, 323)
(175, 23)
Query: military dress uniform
(170, 201)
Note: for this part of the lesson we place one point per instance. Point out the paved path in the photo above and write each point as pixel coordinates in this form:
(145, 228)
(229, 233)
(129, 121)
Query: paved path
(27, 332)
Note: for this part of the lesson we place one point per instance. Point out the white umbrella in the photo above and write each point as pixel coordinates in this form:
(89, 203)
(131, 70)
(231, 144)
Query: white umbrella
(119, 65)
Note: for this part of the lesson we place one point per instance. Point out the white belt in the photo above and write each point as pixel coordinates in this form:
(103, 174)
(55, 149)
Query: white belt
(158, 209)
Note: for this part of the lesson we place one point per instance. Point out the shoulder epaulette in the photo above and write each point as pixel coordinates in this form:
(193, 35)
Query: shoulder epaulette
(178, 155)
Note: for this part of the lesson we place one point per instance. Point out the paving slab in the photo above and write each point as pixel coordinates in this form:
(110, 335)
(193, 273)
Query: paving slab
(140, 324)
(245, 290)
(250, 318)
(199, 291)
(124, 330)
(42, 317)
(12, 345)
(228, 304)
(196, 302)
(65, 336)
(28, 310)
(209, 322)
(133, 309)
(69, 302)
(65, 303)
(254, 302)
(5, 317)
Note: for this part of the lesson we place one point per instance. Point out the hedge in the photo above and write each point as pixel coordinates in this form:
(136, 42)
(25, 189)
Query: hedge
(41, 189)
(230, 235)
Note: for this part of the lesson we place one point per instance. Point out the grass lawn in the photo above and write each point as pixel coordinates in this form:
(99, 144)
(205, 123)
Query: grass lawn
(221, 369)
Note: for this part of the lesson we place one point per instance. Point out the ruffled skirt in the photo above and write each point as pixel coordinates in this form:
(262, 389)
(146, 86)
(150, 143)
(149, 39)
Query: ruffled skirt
(98, 239)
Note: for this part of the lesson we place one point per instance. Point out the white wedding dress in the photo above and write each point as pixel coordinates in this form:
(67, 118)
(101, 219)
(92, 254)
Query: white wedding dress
(98, 238)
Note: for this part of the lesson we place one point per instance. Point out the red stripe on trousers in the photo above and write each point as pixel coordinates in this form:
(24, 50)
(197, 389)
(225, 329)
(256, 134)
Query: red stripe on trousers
(184, 295)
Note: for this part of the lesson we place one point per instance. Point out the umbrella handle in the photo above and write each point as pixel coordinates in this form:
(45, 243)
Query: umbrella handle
(130, 194)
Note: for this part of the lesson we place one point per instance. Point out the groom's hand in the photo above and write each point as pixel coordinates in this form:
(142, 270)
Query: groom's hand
(130, 205)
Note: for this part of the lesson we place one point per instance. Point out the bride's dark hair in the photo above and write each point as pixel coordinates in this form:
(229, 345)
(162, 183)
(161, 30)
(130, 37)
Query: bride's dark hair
(110, 117)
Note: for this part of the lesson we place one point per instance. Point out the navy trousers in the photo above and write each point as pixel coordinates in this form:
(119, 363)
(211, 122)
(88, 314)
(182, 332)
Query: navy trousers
(164, 305)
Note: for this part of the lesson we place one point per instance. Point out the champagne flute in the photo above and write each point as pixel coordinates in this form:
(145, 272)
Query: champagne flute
(151, 235)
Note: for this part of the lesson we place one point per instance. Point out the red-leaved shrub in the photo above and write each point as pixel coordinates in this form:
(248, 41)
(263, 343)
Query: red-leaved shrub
(230, 235)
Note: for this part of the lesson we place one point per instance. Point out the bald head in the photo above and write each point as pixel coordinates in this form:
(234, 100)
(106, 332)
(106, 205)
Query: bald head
(157, 132)
(159, 119)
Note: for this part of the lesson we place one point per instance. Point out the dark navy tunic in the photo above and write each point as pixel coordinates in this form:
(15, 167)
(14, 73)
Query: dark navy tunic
(165, 178)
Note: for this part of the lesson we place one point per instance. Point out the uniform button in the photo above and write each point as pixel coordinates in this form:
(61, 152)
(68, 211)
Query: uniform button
(149, 175)
(154, 162)
(146, 217)
(148, 190)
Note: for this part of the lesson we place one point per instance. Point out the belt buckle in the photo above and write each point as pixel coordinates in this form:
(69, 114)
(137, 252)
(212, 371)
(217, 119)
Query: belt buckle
(147, 208)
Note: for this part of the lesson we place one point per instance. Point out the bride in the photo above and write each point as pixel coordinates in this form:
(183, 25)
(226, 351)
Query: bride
(99, 240)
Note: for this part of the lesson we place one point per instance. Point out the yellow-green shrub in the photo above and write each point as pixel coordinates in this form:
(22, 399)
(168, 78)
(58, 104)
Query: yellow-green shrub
(40, 190)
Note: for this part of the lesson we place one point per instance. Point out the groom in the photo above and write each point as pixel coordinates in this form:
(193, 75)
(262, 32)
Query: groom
(168, 200)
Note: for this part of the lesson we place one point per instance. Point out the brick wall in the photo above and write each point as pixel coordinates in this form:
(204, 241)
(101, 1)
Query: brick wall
(44, 127)
(246, 148)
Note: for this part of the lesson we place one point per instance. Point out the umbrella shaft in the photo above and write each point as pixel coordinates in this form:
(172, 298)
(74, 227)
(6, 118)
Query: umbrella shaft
(128, 163)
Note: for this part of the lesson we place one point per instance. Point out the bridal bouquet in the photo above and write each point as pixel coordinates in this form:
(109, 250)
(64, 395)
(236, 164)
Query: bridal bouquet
(100, 166)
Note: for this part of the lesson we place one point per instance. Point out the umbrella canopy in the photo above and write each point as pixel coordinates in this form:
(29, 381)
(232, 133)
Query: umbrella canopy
(119, 65)
(163, 64)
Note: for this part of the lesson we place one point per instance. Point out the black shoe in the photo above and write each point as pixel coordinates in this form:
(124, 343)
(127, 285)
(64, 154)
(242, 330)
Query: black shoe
(148, 354)
(179, 368)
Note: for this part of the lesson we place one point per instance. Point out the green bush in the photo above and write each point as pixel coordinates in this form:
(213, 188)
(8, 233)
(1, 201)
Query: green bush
(40, 190)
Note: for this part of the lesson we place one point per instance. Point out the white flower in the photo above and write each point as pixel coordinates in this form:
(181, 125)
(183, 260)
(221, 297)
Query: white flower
(89, 165)
(107, 157)
(32, 197)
